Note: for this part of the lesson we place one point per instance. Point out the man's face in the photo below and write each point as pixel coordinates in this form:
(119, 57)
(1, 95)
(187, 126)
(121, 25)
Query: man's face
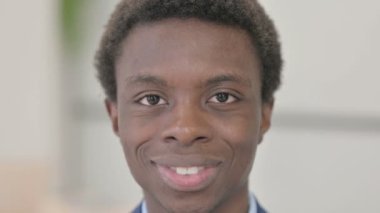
(189, 113)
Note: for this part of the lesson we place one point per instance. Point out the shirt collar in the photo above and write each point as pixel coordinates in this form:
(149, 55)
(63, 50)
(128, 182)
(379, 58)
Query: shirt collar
(252, 205)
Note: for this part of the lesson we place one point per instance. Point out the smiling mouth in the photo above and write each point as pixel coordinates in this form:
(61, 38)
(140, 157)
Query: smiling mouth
(187, 171)
(187, 178)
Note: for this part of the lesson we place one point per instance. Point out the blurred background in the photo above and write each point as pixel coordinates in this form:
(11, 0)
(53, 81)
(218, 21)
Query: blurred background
(58, 153)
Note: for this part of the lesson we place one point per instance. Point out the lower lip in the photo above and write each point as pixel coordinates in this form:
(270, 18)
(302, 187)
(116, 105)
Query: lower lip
(188, 183)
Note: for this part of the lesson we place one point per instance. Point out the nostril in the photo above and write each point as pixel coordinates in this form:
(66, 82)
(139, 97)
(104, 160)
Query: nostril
(201, 139)
(183, 140)
(171, 138)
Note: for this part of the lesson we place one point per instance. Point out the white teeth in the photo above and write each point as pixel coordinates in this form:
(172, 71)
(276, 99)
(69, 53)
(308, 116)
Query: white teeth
(192, 171)
(187, 171)
(181, 171)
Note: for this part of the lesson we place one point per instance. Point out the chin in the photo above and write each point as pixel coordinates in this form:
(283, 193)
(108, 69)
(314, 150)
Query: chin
(187, 205)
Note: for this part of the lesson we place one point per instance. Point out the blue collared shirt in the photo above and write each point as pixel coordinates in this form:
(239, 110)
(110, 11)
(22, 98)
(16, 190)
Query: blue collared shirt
(252, 205)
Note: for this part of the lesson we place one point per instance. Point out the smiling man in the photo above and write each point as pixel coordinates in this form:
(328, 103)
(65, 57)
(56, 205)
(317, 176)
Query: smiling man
(189, 87)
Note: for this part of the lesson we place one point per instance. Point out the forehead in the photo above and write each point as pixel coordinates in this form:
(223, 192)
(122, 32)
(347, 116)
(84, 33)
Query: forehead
(188, 47)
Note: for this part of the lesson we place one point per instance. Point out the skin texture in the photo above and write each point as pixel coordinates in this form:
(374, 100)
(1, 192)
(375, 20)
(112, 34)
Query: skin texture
(207, 111)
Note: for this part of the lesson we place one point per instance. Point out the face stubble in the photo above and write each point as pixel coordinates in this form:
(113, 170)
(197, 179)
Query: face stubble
(186, 65)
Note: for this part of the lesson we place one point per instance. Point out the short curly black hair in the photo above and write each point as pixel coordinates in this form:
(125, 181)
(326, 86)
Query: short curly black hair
(245, 14)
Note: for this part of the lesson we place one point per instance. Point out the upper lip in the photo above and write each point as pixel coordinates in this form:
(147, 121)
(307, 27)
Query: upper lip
(197, 160)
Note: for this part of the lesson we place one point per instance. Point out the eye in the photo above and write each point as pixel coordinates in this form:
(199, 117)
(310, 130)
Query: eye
(152, 100)
(223, 97)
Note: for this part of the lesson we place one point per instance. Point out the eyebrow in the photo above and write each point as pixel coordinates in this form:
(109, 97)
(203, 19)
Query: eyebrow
(146, 79)
(216, 80)
(227, 78)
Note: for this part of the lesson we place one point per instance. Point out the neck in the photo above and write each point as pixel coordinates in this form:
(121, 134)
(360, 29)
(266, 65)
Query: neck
(237, 202)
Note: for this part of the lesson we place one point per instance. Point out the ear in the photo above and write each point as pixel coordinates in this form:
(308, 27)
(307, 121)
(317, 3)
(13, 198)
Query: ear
(266, 117)
(113, 114)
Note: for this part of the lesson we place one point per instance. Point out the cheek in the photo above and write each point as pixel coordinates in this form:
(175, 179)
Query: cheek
(241, 130)
(242, 135)
(135, 129)
(243, 141)
(134, 133)
(244, 152)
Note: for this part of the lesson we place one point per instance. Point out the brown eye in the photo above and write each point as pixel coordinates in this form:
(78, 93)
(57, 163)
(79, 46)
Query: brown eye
(223, 97)
(152, 100)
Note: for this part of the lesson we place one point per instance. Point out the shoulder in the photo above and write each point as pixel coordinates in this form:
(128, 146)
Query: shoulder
(138, 209)
(260, 209)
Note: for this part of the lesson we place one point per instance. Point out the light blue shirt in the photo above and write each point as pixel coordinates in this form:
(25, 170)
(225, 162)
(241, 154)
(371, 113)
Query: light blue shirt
(252, 205)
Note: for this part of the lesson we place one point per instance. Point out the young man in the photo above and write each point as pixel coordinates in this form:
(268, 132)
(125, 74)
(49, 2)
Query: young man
(189, 87)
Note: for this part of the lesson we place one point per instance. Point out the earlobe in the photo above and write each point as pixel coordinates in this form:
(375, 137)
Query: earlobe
(266, 117)
(111, 107)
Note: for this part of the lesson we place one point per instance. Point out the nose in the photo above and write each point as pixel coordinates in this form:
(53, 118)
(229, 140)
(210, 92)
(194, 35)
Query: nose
(186, 125)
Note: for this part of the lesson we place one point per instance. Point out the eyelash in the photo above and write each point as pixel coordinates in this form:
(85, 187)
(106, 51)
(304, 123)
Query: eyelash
(145, 99)
(214, 98)
(161, 101)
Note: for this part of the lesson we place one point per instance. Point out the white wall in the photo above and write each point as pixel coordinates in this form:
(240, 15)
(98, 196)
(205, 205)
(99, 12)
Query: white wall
(29, 79)
(322, 152)
(331, 55)
(29, 115)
